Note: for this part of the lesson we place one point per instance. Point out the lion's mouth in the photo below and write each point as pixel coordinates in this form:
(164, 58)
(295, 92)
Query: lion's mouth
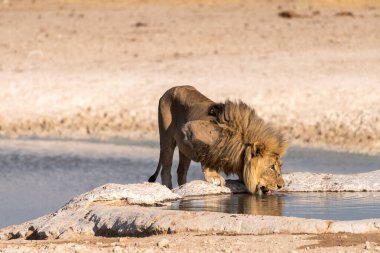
(265, 190)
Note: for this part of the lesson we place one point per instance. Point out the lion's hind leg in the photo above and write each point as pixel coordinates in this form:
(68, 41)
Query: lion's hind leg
(183, 167)
(212, 176)
(166, 158)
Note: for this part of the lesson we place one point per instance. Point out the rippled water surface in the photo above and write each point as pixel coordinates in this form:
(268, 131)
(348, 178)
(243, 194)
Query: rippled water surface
(40, 176)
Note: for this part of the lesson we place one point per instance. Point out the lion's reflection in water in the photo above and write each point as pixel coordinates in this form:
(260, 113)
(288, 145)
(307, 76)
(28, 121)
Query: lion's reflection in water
(237, 203)
(317, 205)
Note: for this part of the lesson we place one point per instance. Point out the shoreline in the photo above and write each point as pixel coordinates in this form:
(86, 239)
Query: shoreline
(113, 217)
(151, 139)
(153, 143)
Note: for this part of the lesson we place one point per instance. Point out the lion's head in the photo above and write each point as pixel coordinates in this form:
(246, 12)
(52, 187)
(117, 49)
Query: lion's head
(262, 169)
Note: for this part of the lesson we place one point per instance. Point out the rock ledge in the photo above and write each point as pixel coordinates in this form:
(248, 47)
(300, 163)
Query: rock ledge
(134, 210)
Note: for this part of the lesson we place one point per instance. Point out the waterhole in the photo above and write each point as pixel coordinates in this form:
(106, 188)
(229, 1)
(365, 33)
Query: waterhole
(39, 176)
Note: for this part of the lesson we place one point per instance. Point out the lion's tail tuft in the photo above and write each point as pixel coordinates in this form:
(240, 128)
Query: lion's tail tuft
(153, 178)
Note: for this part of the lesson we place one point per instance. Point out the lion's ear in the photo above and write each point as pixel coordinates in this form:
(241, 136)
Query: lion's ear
(249, 173)
(216, 110)
(257, 149)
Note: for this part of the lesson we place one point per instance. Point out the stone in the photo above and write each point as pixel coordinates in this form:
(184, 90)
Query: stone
(367, 245)
(123, 239)
(133, 194)
(200, 188)
(116, 249)
(355, 226)
(294, 182)
(164, 243)
(313, 182)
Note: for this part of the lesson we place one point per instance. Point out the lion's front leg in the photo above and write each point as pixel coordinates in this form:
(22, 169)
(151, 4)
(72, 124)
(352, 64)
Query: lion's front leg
(212, 176)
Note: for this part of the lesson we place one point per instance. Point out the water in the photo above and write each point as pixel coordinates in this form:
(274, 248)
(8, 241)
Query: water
(40, 176)
(319, 205)
(318, 160)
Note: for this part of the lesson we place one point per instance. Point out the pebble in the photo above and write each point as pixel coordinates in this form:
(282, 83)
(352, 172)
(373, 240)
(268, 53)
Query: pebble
(164, 243)
(367, 245)
(116, 249)
(123, 239)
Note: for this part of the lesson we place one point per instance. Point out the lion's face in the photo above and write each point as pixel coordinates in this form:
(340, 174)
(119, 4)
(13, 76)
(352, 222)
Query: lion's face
(269, 176)
(262, 171)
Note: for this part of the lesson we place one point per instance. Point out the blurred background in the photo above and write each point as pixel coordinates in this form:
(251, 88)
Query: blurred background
(80, 82)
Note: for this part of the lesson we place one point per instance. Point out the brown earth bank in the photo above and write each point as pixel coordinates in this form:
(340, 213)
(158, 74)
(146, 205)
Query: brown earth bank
(204, 243)
(96, 69)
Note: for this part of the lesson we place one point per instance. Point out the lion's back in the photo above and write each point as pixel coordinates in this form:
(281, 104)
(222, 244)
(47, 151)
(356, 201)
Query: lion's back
(183, 104)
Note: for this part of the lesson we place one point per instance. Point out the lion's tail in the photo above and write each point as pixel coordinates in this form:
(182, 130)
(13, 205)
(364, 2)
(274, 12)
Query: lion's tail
(153, 178)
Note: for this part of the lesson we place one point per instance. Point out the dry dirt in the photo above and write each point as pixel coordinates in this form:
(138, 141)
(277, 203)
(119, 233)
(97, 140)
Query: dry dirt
(96, 69)
(204, 243)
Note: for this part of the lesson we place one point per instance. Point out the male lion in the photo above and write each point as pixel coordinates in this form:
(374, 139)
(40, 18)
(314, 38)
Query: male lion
(228, 137)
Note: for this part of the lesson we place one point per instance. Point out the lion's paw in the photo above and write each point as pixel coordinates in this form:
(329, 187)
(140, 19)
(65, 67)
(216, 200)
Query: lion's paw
(215, 179)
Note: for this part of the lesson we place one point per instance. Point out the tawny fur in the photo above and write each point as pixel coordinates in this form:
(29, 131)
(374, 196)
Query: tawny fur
(228, 137)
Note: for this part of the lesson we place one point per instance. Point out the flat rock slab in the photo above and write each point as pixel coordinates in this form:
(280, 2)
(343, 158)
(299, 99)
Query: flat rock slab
(134, 194)
(112, 221)
(294, 182)
(201, 188)
(321, 182)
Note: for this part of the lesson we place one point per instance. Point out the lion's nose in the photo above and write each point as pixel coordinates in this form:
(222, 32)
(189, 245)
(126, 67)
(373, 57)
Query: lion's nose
(279, 186)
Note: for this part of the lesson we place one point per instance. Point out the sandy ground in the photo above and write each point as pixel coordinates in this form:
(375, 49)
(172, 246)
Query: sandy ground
(79, 69)
(204, 243)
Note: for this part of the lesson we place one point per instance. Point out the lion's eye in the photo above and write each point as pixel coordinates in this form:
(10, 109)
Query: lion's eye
(273, 167)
